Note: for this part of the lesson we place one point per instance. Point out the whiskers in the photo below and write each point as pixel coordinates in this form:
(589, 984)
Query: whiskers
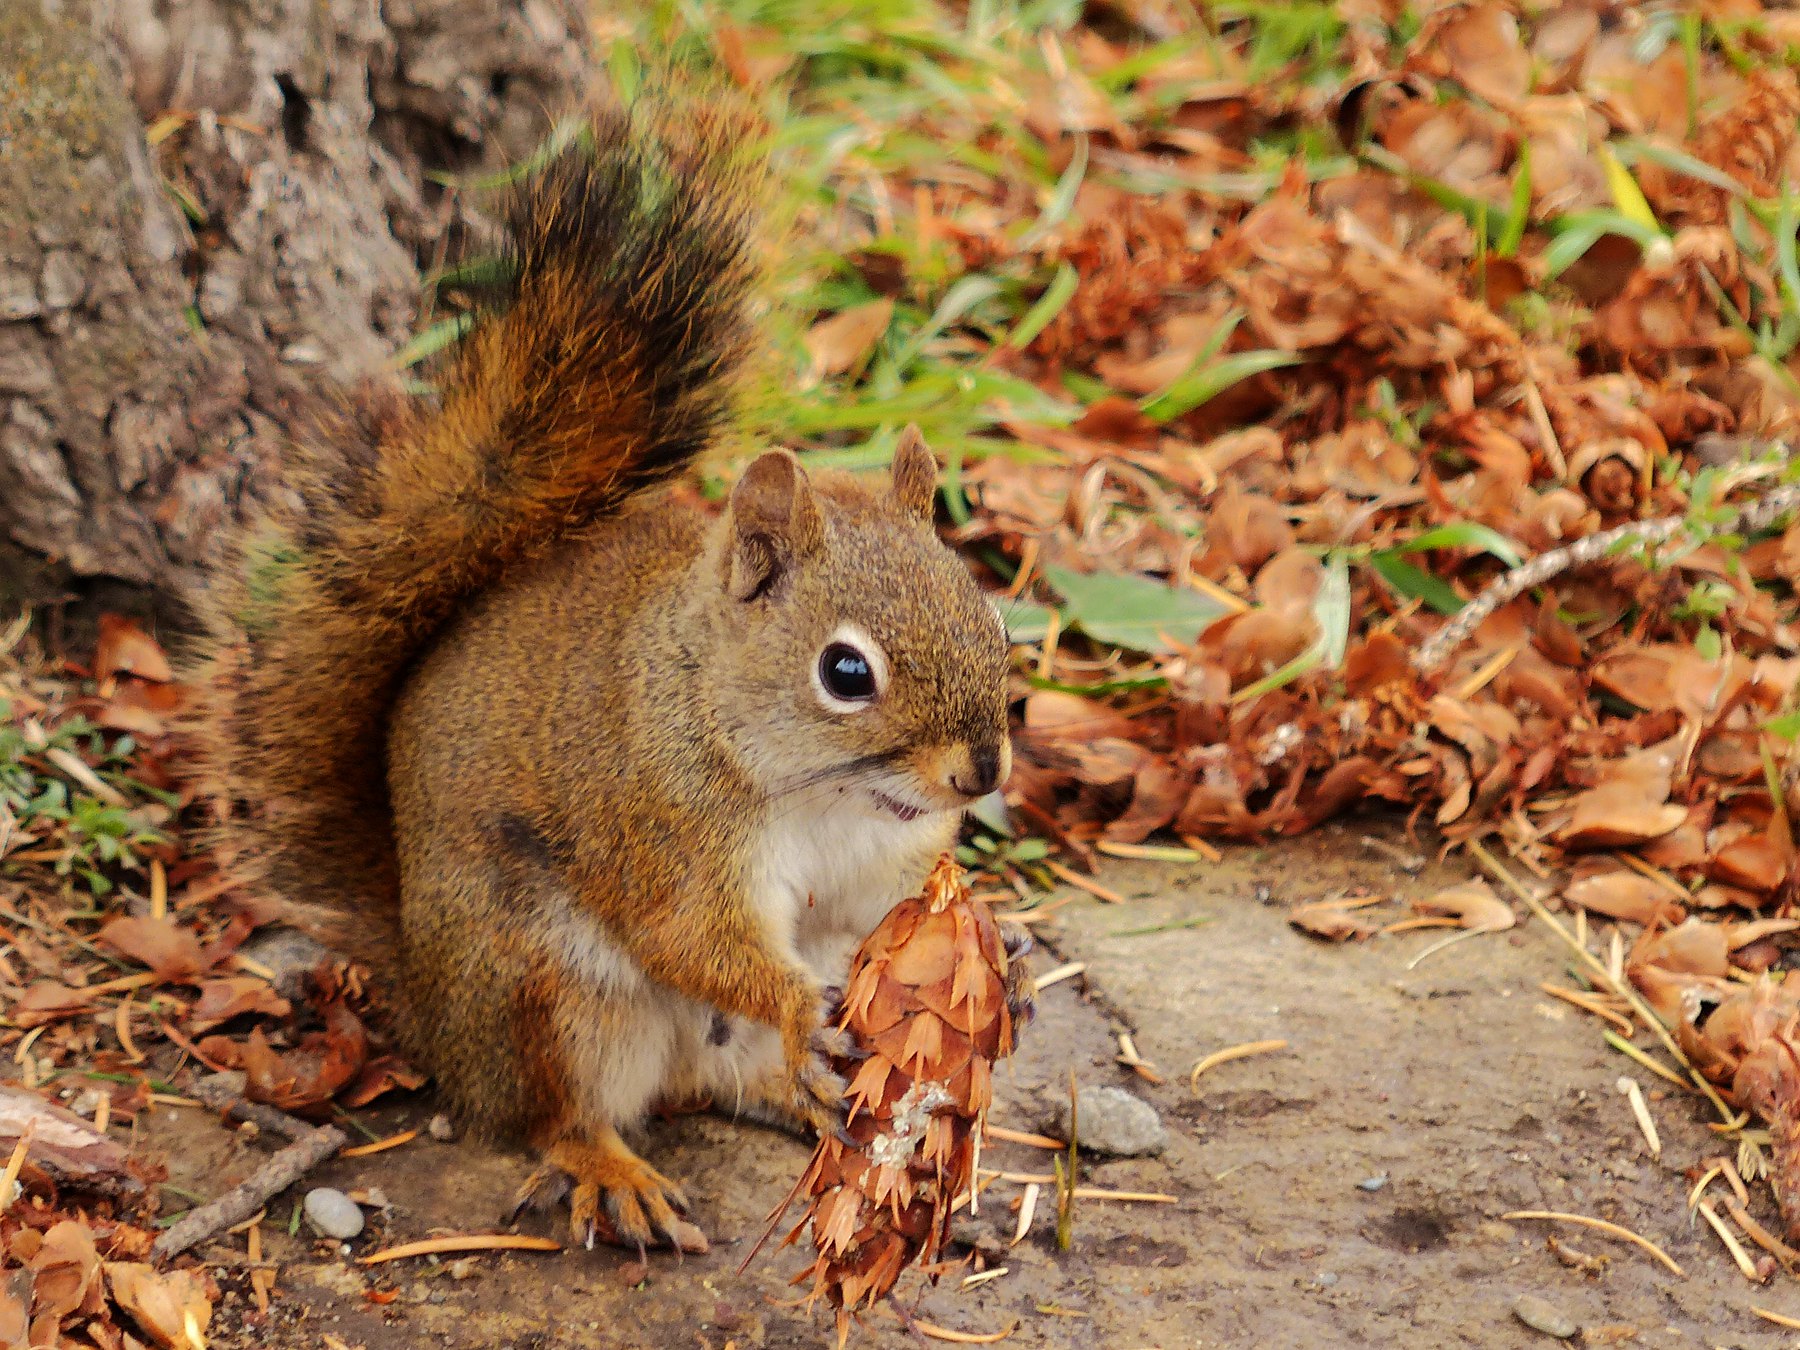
(816, 786)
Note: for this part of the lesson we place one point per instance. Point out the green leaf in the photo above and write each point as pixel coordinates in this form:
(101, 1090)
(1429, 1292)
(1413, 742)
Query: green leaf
(1134, 612)
(1466, 534)
(1512, 232)
(1025, 621)
(433, 340)
(1331, 611)
(991, 812)
(967, 293)
(1331, 607)
(1626, 193)
(1579, 231)
(1062, 201)
(1633, 149)
(1787, 726)
(1201, 386)
(1046, 307)
(1415, 583)
(625, 70)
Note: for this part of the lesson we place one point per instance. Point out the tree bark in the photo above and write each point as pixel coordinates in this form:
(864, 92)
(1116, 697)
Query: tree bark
(212, 211)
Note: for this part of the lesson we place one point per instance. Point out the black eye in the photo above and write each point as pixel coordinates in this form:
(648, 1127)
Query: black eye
(846, 673)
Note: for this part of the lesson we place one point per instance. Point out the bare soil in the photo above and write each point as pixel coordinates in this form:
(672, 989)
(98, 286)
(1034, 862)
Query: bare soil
(1345, 1192)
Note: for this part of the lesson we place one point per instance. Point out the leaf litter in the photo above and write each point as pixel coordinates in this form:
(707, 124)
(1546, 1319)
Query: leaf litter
(1260, 345)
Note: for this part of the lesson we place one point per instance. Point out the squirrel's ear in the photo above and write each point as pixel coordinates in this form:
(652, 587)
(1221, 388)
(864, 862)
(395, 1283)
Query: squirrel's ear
(774, 523)
(915, 474)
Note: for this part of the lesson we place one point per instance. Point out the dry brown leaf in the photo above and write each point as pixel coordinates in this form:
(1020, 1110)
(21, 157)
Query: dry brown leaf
(48, 1001)
(170, 1307)
(1623, 894)
(1332, 920)
(66, 1273)
(1481, 46)
(843, 341)
(1618, 814)
(168, 950)
(1472, 904)
(124, 648)
(234, 996)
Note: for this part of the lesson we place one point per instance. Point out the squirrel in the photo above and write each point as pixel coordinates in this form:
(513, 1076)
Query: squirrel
(605, 789)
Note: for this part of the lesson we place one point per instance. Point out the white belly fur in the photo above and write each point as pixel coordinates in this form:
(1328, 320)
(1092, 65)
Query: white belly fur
(822, 879)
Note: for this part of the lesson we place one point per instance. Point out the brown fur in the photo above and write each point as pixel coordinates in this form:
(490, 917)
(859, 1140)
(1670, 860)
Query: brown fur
(604, 368)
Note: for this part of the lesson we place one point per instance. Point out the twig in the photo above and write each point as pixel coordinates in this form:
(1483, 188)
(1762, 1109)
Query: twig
(1225, 1056)
(241, 1201)
(1093, 888)
(1732, 1245)
(1007, 1136)
(310, 1146)
(474, 1242)
(1651, 533)
(1762, 1237)
(225, 1095)
(1602, 1226)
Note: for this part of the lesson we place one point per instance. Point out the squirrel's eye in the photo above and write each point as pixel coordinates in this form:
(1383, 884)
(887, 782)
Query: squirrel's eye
(846, 673)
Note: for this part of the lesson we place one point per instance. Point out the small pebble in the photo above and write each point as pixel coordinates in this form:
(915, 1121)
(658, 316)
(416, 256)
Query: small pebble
(1111, 1120)
(462, 1268)
(1372, 1183)
(333, 1214)
(1542, 1315)
(1326, 1279)
(441, 1129)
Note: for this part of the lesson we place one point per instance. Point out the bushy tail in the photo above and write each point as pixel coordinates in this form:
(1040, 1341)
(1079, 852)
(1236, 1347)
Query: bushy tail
(604, 366)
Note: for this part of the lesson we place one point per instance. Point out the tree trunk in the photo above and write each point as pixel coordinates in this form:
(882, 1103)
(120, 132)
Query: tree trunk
(209, 211)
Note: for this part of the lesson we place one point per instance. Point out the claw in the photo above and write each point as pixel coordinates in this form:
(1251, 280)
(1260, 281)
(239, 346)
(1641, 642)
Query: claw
(614, 1196)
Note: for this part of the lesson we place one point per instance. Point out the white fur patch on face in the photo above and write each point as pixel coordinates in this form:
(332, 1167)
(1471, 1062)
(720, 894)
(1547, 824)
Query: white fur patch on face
(854, 637)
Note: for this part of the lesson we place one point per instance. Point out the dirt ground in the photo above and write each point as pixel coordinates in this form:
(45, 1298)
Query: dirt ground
(1346, 1192)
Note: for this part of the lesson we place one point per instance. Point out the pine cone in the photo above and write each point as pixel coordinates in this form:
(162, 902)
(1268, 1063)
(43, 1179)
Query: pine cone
(935, 995)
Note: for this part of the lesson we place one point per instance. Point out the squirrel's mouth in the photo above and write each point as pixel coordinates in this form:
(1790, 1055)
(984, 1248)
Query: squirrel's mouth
(897, 808)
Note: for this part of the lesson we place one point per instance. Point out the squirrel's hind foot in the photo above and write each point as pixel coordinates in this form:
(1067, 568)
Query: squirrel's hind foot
(614, 1196)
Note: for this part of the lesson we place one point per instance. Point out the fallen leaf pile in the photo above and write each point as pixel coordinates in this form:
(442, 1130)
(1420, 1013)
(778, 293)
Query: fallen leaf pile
(1261, 338)
(74, 1245)
(124, 943)
(1338, 315)
(926, 1007)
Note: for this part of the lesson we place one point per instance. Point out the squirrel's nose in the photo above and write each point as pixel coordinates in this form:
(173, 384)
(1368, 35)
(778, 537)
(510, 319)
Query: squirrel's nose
(988, 765)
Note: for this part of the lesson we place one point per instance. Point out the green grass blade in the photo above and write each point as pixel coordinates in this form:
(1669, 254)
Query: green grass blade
(1201, 386)
(1046, 307)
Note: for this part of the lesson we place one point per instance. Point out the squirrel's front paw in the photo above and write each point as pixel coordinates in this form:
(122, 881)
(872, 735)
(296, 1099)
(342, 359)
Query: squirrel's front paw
(815, 1089)
(1021, 985)
(614, 1196)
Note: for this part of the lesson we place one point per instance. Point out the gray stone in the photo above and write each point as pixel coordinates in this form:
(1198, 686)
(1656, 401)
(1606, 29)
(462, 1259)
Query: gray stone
(1113, 1121)
(290, 954)
(1542, 1315)
(61, 282)
(333, 1214)
(18, 297)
